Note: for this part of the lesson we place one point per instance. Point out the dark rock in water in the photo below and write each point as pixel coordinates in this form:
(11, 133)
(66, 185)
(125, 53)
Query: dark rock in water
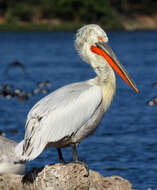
(13, 131)
(2, 133)
(6, 94)
(20, 94)
(36, 91)
(39, 90)
(6, 86)
(154, 84)
(44, 91)
(152, 102)
(46, 83)
(63, 177)
(17, 91)
(155, 99)
(22, 97)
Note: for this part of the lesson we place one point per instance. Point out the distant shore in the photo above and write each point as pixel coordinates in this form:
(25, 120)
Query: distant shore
(38, 27)
(139, 22)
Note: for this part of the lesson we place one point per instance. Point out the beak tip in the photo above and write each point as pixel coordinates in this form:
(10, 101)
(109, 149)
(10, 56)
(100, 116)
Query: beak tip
(137, 90)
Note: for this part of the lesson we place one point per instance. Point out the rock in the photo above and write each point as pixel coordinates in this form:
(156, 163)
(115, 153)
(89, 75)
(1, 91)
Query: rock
(63, 177)
(152, 102)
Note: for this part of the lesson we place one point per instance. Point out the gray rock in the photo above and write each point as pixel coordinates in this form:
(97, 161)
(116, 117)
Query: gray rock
(63, 177)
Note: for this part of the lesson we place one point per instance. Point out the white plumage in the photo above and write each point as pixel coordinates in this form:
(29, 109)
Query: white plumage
(9, 162)
(71, 113)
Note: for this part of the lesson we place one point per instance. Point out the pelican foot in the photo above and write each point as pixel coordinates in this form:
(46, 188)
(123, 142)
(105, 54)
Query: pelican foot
(62, 162)
(81, 163)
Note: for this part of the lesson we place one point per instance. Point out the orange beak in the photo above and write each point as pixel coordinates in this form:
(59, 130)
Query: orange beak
(106, 52)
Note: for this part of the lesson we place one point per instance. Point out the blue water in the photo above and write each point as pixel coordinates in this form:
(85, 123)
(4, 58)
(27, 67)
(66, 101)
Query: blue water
(125, 143)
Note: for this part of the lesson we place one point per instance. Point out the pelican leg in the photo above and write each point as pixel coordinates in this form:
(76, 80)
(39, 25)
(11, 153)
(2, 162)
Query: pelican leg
(74, 153)
(75, 156)
(61, 159)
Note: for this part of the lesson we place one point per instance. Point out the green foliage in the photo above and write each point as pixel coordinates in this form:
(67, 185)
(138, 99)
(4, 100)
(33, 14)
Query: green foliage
(77, 10)
(105, 12)
(20, 11)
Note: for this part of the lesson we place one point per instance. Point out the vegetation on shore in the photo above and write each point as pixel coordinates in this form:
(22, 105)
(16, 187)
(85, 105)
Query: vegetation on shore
(71, 14)
(48, 26)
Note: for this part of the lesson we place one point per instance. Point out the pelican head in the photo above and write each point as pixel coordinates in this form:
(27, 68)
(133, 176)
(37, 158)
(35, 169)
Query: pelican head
(92, 44)
(86, 37)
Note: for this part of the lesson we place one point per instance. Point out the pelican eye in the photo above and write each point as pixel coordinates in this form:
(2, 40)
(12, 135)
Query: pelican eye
(100, 39)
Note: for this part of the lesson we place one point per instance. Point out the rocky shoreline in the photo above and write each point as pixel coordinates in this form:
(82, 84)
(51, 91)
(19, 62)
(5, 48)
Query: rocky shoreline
(63, 177)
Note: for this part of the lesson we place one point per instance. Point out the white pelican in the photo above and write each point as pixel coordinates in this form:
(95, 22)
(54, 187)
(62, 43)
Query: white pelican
(9, 162)
(71, 113)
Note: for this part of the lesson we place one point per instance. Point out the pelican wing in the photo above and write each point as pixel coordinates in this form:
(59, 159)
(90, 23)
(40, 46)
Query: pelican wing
(59, 115)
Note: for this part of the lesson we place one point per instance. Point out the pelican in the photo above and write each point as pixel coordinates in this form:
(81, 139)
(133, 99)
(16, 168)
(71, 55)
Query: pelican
(9, 162)
(71, 113)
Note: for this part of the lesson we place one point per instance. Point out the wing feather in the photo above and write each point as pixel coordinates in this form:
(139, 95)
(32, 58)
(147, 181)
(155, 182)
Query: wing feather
(59, 115)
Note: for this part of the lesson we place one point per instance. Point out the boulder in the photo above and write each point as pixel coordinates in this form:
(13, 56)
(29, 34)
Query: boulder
(69, 176)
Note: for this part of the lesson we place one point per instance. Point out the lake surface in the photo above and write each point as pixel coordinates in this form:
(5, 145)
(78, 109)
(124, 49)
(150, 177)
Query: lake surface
(125, 143)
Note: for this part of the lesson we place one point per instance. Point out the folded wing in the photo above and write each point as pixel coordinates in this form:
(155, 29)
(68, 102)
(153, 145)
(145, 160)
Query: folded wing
(59, 115)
